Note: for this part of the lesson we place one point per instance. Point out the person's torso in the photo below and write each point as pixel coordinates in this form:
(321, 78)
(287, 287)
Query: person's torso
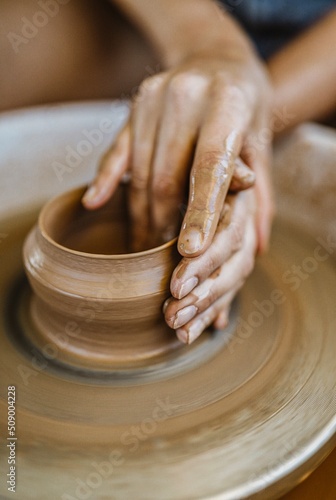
(271, 23)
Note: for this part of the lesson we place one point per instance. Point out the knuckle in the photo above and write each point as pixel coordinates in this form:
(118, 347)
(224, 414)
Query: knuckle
(207, 318)
(236, 236)
(212, 296)
(203, 321)
(212, 161)
(236, 97)
(138, 181)
(234, 92)
(165, 187)
(229, 90)
(150, 85)
(207, 299)
(182, 84)
(212, 262)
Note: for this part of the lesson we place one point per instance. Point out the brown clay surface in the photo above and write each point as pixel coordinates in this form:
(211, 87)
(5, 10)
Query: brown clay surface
(213, 423)
(97, 303)
(258, 417)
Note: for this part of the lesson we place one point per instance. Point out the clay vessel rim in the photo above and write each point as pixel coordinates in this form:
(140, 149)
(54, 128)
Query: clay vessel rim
(98, 256)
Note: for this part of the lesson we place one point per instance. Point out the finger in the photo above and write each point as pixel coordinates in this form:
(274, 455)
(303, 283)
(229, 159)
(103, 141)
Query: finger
(232, 274)
(222, 319)
(145, 121)
(265, 205)
(218, 147)
(174, 147)
(194, 328)
(257, 154)
(265, 214)
(259, 158)
(243, 177)
(228, 240)
(113, 166)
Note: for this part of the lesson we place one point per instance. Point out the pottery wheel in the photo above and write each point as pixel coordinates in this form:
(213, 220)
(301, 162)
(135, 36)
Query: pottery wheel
(244, 413)
(227, 425)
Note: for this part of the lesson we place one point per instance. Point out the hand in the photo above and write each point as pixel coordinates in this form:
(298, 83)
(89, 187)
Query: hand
(191, 122)
(204, 287)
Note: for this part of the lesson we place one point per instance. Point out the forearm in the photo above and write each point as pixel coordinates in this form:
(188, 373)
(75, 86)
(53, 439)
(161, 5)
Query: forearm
(178, 29)
(304, 75)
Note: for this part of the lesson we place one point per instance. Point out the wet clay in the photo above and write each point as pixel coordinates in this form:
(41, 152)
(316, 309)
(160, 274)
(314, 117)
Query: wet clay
(254, 380)
(99, 304)
(247, 412)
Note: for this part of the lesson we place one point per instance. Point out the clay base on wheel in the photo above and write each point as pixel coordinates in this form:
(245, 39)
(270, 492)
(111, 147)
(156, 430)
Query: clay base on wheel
(245, 413)
(209, 424)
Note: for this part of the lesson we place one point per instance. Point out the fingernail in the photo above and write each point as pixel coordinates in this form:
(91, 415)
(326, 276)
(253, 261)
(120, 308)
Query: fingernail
(193, 332)
(182, 335)
(166, 304)
(191, 242)
(248, 178)
(251, 176)
(184, 315)
(90, 195)
(186, 287)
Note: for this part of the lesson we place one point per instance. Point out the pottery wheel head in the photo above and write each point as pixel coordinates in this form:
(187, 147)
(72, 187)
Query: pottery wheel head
(243, 413)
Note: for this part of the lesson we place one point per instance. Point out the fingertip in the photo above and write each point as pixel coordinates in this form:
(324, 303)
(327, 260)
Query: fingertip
(243, 177)
(264, 234)
(91, 197)
(190, 242)
(166, 304)
(221, 321)
(263, 246)
(198, 229)
(182, 335)
(183, 288)
(175, 290)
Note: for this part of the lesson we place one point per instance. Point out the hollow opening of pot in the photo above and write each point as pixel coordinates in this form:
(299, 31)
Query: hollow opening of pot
(105, 231)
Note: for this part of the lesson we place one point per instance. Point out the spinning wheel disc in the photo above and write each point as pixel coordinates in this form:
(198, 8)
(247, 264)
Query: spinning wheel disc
(250, 419)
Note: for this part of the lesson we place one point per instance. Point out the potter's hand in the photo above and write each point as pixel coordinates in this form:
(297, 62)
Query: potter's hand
(205, 286)
(202, 114)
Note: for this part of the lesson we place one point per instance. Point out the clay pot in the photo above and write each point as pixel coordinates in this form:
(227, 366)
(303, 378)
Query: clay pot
(98, 305)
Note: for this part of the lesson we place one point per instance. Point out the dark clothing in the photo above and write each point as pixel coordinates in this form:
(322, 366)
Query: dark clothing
(273, 23)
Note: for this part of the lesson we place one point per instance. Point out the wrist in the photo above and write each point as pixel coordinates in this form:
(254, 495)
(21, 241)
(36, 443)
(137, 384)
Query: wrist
(199, 38)
(177, 29)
